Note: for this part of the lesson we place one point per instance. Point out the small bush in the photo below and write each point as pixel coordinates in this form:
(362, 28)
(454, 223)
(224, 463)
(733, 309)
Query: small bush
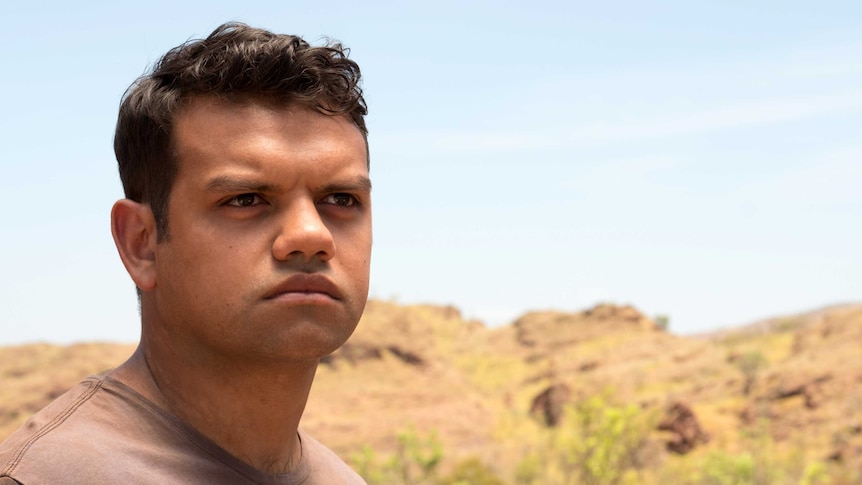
(598, 443)
(750, 364)
(472, 472)
(415, 461)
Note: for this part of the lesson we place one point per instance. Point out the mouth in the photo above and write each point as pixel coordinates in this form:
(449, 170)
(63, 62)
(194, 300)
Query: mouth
(302, 287)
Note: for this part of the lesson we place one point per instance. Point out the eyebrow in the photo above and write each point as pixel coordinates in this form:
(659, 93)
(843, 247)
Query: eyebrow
(226, 183)
(360, 183)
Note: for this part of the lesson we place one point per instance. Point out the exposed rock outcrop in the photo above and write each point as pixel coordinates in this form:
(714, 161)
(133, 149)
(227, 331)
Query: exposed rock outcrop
(686, 433)
(551, 330)
(548, 405)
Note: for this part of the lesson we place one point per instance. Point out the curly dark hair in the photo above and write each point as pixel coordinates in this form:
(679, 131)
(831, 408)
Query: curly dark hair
(235, 60)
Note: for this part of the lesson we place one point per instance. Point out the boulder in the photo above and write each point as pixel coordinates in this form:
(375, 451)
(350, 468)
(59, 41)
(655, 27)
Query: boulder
(548, 405)
(686, 433)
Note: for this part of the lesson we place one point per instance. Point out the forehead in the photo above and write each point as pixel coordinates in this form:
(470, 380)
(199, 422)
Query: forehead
(209, 128)
(205, 114)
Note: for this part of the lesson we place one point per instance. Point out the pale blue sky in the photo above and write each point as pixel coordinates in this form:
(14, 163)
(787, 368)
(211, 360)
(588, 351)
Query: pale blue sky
(701, 161)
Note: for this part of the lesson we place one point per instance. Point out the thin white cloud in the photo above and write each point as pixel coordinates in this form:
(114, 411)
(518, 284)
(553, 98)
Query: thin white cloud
(775, 111)
(666, 126)
(830, 183)
(628, 174)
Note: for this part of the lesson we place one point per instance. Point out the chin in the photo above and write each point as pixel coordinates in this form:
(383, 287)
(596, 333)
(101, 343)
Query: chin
(305, 340)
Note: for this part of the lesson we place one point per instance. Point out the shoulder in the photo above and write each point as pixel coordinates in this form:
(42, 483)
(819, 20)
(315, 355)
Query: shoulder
(97, 422)
(17, 451)
(324, 466)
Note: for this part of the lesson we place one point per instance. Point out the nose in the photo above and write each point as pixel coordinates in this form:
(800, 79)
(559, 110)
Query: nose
(303, 234)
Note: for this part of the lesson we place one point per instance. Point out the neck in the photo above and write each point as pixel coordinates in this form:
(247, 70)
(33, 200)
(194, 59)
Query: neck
(251, 409)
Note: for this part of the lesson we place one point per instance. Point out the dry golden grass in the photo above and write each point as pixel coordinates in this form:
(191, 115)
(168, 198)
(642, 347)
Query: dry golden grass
(425, 366)
(33, 375)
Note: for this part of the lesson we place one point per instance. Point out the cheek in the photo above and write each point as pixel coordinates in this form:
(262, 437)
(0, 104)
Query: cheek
(197, 271)
(352, 240)
(359, 256)
(354, 253)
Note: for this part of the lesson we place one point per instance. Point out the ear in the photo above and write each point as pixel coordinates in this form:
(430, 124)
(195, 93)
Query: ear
(134, 229)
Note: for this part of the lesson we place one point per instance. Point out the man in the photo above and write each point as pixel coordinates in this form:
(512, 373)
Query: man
(247, 231)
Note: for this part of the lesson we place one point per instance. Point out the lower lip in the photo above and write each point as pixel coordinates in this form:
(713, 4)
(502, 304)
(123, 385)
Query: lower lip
(296, 297)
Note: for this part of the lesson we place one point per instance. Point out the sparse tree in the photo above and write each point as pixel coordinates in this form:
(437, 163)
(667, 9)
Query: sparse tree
(662, 322)
(750, 364)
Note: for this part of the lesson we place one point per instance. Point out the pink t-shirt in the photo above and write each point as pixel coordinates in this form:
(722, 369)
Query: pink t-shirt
(102, 431)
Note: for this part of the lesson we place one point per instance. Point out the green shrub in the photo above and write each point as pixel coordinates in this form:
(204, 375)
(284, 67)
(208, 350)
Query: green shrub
(418, 456)
(597, 443)
(415, 461)
(605, 440)
(750, 364)
(723, 469)
(472, 472)
(366, 464)
(662, 322)
(530, 469)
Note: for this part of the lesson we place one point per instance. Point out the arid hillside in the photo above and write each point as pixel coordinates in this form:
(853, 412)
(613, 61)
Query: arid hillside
(419, 395)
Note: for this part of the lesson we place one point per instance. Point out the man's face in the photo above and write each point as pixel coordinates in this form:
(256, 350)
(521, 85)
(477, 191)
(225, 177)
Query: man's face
(270, 232)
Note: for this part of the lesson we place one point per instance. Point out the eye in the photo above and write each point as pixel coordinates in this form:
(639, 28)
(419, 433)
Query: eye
(341, 200)
(244, 200)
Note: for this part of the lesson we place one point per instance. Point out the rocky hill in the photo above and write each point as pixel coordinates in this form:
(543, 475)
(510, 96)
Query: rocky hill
(500, 397)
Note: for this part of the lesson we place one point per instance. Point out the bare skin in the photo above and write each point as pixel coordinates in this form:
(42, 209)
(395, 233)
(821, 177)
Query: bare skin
(264, 272)
(262, 430)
